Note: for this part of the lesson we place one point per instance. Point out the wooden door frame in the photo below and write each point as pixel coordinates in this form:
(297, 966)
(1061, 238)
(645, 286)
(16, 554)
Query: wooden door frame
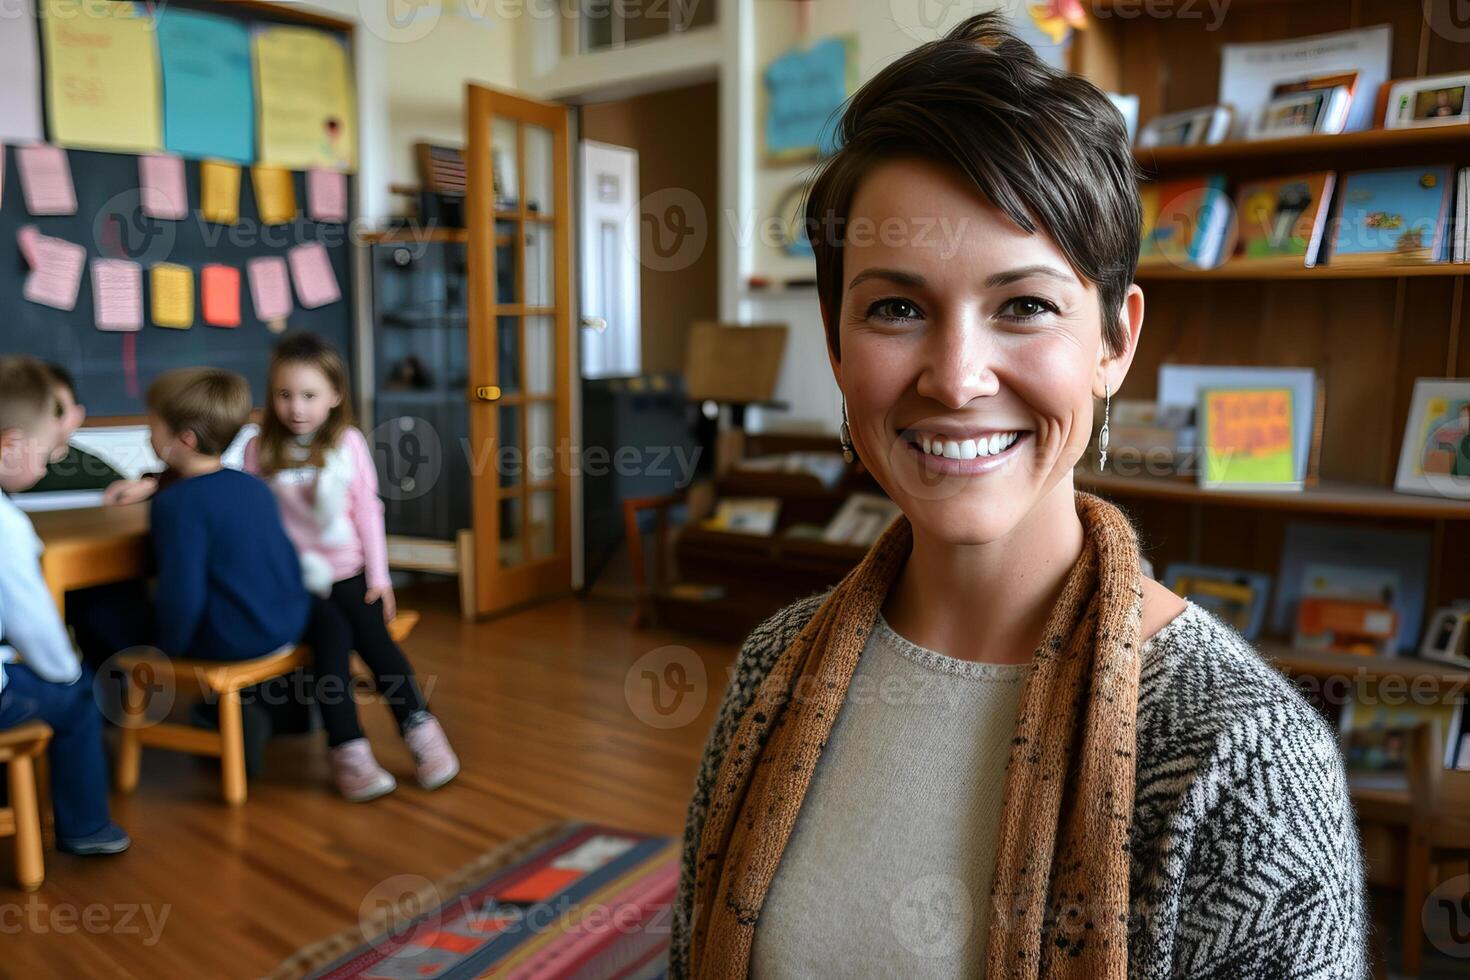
(551, 576)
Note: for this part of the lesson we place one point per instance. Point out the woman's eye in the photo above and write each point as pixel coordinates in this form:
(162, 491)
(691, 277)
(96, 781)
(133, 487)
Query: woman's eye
(894, 309)
(1027, 308)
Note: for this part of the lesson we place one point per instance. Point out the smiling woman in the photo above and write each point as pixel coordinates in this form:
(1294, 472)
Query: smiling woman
(1113, 783)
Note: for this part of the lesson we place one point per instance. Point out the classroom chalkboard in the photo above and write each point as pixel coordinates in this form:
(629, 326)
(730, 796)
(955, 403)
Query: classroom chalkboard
(109, 223)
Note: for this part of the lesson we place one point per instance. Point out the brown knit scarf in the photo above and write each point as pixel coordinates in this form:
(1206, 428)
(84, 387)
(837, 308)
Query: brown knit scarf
(1059, 899)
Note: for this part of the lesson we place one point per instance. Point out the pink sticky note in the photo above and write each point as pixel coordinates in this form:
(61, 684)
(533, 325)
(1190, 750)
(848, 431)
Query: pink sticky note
(57, 275)
(117, 294)
(26, 238)
(45, 179)
(161, 185)
(326, 195)
(220, 286)
(311, 270)
(270, 288)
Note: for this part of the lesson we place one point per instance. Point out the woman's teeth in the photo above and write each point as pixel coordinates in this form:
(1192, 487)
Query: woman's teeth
(991, 445)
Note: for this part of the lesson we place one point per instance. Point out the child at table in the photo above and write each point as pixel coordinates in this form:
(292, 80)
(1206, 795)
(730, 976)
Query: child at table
(50, 685)
(322, 473)
(71, 468)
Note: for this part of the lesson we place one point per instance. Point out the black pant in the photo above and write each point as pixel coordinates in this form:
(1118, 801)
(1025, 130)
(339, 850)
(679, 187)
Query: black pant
(339, 625)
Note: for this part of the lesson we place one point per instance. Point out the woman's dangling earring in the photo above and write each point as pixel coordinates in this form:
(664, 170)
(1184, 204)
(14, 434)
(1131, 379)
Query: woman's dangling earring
(1102, 435)
(844, 435)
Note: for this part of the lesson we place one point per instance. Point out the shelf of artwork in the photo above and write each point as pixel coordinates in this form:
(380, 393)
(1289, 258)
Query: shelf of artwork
(1356, 150)
(1264, 270)
(1326, 497)
(1324, 664)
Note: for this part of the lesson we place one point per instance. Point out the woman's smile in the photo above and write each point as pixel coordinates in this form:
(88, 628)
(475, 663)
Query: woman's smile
(945, 454)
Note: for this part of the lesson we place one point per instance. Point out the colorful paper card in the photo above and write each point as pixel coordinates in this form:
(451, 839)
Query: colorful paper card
(172, 287)
(208, 92)
(1246, 438)
(305, 95)
(20, 76)
(804, 87)
(162, 188)
(270, 288)
(57, 273)
(326, 195)
(275, 195)
(45, 180)
(1281, 219)
(311, 270)
(117, 294)
(102, 88)
(219, 192)
(1386, 216)
(220, 285)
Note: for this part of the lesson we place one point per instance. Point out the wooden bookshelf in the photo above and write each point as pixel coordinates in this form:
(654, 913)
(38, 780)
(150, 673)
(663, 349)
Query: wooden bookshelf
(1327, 497)
(1364, 148)
(1447, 680)
(1244, 271)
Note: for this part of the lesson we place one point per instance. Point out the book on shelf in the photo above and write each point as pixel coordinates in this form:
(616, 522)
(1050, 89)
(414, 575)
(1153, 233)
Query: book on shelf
(1180, 386)
(1365, 710)
(745, 515)
(861, 519)
(1281, 220)
(1246, 439)
(1392, 216)
(1186, 222)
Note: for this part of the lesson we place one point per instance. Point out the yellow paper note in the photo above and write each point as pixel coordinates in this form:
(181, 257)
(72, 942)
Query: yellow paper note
(303, 82)
(102, 77)
(173, 296)
(219, 192)
(275, 195)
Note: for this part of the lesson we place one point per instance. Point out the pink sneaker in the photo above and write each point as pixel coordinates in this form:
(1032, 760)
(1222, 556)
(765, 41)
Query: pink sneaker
(435, 761)
(358, 775)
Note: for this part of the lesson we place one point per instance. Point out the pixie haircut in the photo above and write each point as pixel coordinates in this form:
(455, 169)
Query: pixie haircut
(1044, 146)
(27, 392)
(212, 403)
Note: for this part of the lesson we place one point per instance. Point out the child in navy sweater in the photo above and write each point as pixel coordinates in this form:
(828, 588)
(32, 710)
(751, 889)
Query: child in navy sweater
(229, 581)
(50, 685)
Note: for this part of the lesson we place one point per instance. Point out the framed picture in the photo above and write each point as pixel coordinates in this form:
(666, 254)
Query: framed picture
(1435, 457)
(1445, 639)
(1236, 597)
(1192, 127)
(1295, 114)
(1440, 100)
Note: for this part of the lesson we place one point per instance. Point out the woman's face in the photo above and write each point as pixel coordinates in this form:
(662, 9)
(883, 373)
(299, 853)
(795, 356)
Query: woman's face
(971, 353)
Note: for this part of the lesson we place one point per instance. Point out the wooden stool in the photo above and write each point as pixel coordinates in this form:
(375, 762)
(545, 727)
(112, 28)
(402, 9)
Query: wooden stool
(19, 747)
(222, 680)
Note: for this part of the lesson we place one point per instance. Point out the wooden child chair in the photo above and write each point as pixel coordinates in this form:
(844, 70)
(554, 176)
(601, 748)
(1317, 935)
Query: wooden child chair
(149, 672)
(19, 747)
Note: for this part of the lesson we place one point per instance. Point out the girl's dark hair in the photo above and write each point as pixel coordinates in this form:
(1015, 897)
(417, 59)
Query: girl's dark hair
(309, 349)
(1046, 147)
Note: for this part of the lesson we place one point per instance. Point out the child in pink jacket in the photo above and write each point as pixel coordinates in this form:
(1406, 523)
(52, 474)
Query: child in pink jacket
(320, 468)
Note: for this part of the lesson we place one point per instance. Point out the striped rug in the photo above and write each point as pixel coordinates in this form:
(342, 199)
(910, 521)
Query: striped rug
(570, 900)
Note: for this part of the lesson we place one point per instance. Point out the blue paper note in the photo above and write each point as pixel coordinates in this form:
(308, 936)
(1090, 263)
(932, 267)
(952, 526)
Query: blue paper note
(805, 89)
(208, 93)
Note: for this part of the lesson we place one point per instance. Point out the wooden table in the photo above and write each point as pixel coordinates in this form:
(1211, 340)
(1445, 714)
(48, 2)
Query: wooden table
(92, 546)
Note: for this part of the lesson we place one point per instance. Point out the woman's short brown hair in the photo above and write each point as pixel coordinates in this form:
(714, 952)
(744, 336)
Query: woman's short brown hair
(212, 403)
(1044, 146)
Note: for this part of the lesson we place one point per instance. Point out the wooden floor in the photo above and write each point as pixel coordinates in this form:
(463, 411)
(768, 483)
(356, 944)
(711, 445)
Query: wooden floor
(535, 705)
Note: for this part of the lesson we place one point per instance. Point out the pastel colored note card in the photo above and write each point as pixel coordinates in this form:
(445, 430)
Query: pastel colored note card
(275, 195)
(219, 192)
(220, 286)
(311, 270)
(56, 275)
(804, 87)
(1246, 436)
(208, 91)
(172, 287)
(45, 180)
(117, 294)
(20, 76)
(304, 89)
(270, 288)
(162, 188)
(326, 195)
(102, 77)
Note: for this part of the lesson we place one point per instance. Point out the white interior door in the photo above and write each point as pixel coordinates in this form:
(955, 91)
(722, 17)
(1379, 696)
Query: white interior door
(612, 345)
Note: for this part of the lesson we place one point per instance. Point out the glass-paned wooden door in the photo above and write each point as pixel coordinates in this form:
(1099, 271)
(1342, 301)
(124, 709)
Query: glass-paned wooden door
(518, 215)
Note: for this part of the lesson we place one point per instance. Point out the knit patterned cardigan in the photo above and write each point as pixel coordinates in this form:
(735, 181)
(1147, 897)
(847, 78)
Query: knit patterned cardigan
(1245, 858)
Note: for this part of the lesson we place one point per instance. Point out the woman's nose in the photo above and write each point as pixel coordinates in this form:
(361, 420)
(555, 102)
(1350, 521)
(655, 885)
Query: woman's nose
(958, 364)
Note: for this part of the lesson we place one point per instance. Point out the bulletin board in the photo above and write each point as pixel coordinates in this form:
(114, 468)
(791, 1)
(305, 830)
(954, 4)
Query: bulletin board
(114, 368)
